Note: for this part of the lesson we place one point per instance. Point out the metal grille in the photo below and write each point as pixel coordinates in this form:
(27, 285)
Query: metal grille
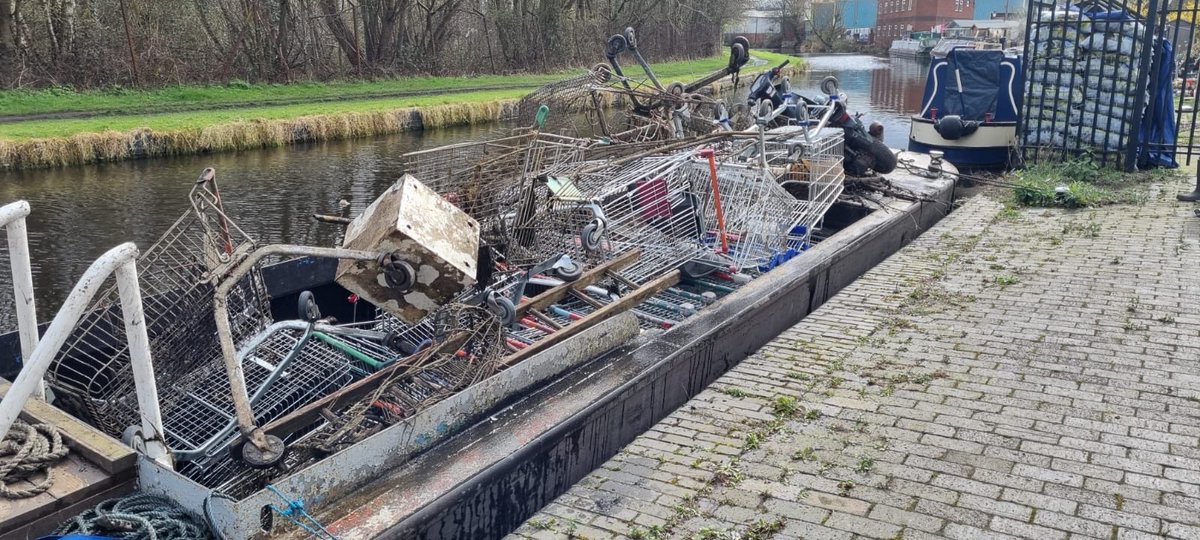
(92, 377)
(1092, 69)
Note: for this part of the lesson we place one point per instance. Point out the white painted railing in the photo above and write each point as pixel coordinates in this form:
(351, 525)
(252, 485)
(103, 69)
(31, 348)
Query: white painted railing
(120, 260)
(12, 218)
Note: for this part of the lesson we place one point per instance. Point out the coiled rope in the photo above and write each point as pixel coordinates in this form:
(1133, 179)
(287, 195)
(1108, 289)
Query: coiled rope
(138, 517)
(28, 450)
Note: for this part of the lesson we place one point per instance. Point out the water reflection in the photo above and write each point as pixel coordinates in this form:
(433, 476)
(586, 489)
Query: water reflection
(81, 212)
(887, 90)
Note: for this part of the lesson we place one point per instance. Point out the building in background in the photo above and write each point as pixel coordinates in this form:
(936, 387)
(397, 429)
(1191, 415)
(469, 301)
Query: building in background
(897, 18)
(760, 26)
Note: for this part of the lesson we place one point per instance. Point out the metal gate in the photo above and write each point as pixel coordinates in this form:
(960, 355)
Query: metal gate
(1114, 80)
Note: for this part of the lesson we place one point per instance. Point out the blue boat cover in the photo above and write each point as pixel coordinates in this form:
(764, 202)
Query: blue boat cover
(972, 92)
(971, 83)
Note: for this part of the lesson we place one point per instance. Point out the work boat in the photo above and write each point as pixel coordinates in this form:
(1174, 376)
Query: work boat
(970, 108)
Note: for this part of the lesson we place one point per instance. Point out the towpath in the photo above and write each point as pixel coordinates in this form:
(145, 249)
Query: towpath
(1022, 373)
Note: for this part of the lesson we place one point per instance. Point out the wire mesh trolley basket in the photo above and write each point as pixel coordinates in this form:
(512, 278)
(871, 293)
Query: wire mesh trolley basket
(92, 376)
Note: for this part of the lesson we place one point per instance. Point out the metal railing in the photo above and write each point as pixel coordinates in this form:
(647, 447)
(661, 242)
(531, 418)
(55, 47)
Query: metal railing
(12, 218)
(121, 261)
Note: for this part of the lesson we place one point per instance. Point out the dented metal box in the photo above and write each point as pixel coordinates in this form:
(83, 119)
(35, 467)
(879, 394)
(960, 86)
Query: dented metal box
(439, 242)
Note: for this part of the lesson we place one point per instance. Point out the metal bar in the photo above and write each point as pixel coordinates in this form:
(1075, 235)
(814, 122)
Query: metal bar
(12, 218)
(554, 294)
(626, 302)
(1132, 148)
(121, 261)
(233, 368)
(309, 413)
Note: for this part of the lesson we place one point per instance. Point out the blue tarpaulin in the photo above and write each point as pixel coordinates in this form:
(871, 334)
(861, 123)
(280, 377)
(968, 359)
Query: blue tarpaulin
(1158, 133)
(974, 81)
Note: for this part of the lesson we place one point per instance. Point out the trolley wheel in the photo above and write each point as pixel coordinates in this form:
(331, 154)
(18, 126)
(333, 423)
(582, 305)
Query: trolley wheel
(258, 458)
(676, 88)
(616, 45)
(307, 308)
(132, 437)
(503, 309)
(397, 272)
(591, 236)
(602, 73)
(630, 37)
(829, 85)
(569, 272)
(737, 56)
(394, 341)
(741, 40)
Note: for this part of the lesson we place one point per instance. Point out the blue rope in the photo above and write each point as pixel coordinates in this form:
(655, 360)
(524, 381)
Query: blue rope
(304, 520)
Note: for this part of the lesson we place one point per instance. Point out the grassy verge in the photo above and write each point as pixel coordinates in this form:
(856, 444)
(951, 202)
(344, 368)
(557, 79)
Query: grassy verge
(227, 124)
(1080, 183)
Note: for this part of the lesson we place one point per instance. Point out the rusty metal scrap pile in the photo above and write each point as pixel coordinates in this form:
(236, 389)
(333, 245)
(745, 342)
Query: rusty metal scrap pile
(502, 247)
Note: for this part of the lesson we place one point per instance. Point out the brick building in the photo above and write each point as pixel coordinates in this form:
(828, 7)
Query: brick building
(896, 18)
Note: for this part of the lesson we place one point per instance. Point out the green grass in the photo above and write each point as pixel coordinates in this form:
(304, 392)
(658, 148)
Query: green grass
(216, 104)
(1079, 183)
(200, 119)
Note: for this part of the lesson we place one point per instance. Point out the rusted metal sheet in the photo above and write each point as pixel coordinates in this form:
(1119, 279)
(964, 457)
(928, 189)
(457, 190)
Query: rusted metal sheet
(439, 241)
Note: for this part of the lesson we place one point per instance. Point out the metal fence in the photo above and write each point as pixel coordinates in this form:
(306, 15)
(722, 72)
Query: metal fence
(1111, 79)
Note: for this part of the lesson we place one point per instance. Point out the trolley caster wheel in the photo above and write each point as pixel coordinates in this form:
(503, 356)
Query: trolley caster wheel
(616, 45)
(602, 73)
(397, 272)
(741, 40)
(307, 308)
(676, 88)
(829, 85)
(258, 458)
(569, 272)
(394, 341)
(630, 37)
(737, 56)
(132, 437)
(503, 309)
(591, 235)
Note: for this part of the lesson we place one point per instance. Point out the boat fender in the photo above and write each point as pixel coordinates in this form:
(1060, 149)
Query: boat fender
(952, 127)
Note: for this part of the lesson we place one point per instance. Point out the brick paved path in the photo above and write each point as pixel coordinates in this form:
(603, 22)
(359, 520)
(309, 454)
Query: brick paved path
(1028, 373)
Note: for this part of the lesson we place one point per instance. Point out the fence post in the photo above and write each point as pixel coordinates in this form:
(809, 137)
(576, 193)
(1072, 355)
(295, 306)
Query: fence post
(1147, 63)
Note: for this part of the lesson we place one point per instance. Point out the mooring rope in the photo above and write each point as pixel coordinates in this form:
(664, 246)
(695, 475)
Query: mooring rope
(138, 517)
(28, 450)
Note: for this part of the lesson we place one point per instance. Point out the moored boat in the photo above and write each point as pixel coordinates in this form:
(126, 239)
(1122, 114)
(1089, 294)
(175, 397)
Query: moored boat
(970, 108)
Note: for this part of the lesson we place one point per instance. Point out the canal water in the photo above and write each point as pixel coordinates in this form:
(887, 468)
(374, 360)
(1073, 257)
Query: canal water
(81, 212)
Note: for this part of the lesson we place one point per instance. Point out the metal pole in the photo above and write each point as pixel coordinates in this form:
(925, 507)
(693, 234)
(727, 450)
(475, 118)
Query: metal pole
(12, 218)
(64, 322)
(143, 368)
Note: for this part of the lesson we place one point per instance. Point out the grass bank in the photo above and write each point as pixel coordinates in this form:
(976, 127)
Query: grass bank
(1081, 183)
(218, 118)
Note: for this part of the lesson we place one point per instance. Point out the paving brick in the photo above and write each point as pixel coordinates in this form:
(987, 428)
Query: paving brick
(1047, 418)
(1025, 530)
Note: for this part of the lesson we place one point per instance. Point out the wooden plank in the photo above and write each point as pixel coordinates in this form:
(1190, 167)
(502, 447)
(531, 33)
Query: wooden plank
(46, 524)
(17, 512)
(590, 277)
(626, 302)
(309, 413)
(97, 447)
